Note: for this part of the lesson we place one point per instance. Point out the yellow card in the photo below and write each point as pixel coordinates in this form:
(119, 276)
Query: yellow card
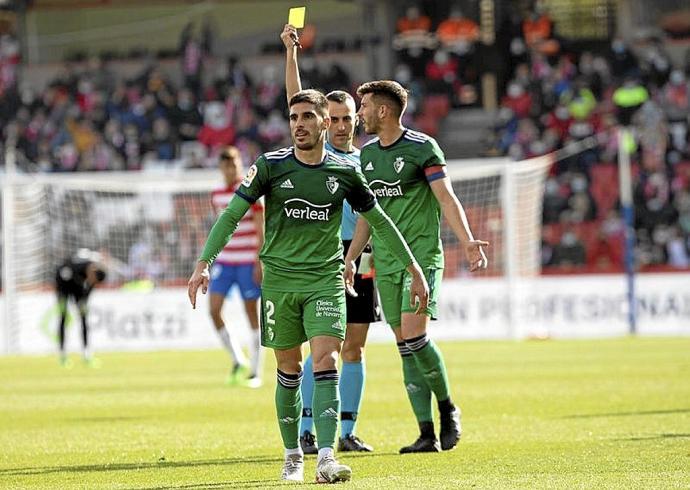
(296, 16)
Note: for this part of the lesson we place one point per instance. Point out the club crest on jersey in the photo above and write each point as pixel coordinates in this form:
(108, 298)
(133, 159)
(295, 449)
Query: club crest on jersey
(249, 178)
(398, 164)
(332, 184)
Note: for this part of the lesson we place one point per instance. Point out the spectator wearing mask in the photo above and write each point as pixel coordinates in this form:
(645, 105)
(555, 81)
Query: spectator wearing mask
(675, 100)
(442, 74)
(185, 116)
(518, 100)
(570, 251)
(414, 38)
(538, 31)
(217, 130)
(458, 33)
(623, 62)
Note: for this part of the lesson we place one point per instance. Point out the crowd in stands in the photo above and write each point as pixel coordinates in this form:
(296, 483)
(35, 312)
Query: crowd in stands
(438, 61)
(557, 96)
(87, 118)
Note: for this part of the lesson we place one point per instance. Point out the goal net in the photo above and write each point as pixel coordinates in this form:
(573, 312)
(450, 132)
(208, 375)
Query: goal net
(503, 202)
(149, 229)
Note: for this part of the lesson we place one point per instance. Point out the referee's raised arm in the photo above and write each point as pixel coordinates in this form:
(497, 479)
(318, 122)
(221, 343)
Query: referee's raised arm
(291, 42)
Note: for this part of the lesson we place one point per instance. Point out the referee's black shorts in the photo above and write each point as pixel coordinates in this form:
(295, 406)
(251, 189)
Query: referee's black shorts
(365, 307)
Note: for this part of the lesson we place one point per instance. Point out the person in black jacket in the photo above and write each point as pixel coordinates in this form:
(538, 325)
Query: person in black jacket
(75, 278)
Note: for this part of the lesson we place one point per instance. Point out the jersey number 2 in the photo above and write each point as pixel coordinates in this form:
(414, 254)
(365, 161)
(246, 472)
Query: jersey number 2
(270, 309)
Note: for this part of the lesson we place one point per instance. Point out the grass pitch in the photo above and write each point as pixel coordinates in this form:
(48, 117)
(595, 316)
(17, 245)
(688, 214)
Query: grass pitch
(551, 414)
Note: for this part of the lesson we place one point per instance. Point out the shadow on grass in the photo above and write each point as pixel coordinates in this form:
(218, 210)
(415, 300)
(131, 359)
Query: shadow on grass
(627, 414)
(136, 466)
(363, 454)
(215, 486)
(654, 437)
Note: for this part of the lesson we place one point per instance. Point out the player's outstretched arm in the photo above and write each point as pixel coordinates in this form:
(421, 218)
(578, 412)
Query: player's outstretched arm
(292, 81)
(390, 235)
(457, 219)
(359, 240)
(222, 231)
(258, 273)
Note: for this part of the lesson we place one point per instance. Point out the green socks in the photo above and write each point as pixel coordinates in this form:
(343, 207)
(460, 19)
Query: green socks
(416, 386)
(289, 408)
(326, 407)
(430, 362)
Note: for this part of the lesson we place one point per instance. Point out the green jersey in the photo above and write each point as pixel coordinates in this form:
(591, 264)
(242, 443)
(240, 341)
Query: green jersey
(302, 249)
(399, 175)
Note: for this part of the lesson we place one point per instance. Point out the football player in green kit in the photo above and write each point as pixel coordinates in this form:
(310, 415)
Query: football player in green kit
(362, 309)
(406, 171)
(303, 293)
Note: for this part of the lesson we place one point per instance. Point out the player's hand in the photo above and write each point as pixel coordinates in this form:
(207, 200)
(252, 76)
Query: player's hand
(349, 277)
(200, 277)
(289, 37)
(258, 272)
(474, 252)
(419, 289)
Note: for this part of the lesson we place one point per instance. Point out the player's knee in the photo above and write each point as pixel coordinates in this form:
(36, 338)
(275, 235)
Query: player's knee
(325, 361)
(292, 366)
(352, 352)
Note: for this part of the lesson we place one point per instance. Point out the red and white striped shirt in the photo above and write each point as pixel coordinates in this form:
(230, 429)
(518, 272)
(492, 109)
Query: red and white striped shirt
(244, 245)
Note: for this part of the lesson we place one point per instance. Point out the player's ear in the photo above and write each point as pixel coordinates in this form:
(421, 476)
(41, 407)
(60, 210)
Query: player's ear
(382, 111)
(326, 122)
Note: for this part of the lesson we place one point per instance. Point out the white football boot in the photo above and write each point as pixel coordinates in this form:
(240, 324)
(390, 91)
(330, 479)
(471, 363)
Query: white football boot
(328, 470)
(293, 468)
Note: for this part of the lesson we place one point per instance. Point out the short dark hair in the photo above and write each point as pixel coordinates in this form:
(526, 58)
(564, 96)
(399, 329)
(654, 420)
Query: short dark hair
(314, 97)
(390, 90)
(339, 96)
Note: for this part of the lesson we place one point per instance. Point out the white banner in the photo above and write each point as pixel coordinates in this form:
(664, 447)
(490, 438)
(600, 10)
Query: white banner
(557, 307)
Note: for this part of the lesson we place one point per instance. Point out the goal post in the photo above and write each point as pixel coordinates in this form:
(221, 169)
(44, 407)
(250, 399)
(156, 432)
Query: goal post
(503, 201)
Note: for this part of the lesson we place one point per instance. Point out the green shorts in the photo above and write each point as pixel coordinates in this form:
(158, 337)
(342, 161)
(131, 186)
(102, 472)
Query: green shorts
(290, 319)
(394, 290)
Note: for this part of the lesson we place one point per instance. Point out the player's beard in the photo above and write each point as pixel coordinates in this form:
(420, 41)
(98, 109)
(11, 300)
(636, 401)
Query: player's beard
(370, 126)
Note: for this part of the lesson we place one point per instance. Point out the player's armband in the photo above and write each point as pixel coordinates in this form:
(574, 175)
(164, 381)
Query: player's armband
(434, 173)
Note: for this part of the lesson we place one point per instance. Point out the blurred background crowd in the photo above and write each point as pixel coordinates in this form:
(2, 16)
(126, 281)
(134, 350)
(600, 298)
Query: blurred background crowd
(536, 87)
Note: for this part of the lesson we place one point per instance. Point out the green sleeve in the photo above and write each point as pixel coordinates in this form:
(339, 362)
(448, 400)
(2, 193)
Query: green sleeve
(431, 154)
(224, 227)
(359, 194)
(255, 182)
(389, 234)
